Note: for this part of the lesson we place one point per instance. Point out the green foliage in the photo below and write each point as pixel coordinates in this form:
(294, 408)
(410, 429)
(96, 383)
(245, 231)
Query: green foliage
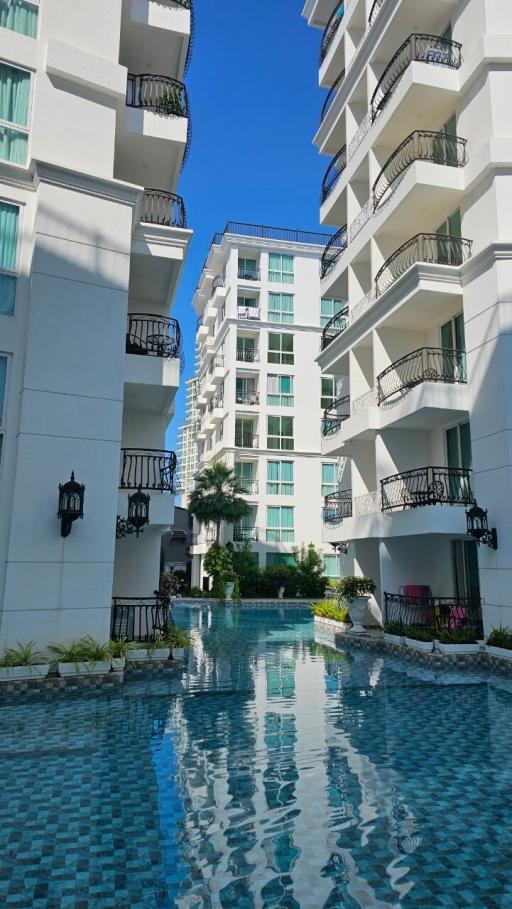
(23, 655)
(217, 496)
(159, 643)
(170, 102)
(236, 590)
(397, 628)
(458, 636)
(419, 634)
(122, 648)
(501, 637)
(197, 593)
(351, 587)
(275, 576)
(310, 571)
(219, 588)
(169, 585)
(218, 563)
(94, 651)
(76, 652)
(246, 568)
(331, 609)
(178, 638)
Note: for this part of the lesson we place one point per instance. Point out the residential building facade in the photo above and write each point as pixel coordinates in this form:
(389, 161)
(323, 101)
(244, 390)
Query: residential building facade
(92, 242)
(261, 395)
(187, 444)
(417, 127)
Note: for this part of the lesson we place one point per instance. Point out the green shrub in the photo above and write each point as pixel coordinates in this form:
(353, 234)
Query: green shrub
(122, 648)
(397, 628)
(310, 571)
(196, 592)
(331, 609)
(246, 568)
(457, 636)
(419, 634)
(23, 655)
(275, 576)
(500, 637)
(178, 638)
(351, 587)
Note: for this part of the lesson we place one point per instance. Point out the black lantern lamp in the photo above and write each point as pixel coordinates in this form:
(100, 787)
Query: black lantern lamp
(478, 527)
(138, 515)
(71, 504)
(341, 548)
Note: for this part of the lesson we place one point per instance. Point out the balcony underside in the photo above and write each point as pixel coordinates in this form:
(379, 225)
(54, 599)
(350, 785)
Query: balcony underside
(150, 143)
(158, 256)
(155, 32)
(151, 383)
(447, 520)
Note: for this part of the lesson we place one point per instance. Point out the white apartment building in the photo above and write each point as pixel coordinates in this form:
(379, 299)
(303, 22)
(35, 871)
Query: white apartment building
(261, 395)
(417, 125)
(93, 134)
(187, 445)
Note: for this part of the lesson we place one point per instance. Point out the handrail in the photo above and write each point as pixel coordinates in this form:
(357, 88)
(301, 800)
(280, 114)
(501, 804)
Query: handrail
(265, 232)
(330, 29)
(246, 441)
(140, 618)
(335, 415)
(420, 145)
(427, 486)
(148, 469)
(333, 173)
(434, 613)
(334, 327)
(245, 534)
(426, 364)
(420, 48)
(249, 272)
(248, 400)
(337, 506)
(245, 355)
(439, 249)
(218, 281)
(151, 335)
(160, 93)
(164, 208)
(333, 250)
(374, 12)
(331, 94)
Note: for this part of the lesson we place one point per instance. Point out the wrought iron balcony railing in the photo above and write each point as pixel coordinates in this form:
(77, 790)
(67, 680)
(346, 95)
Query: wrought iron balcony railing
(337, 506)
(162, 94)
(420, 48)
(334, 327)
(143, 468)
(249, 273)
(435, 613)
(436, 249)
(333, 173)
(333, 91)
(330, 29)
(421, 145)
(155, 336)
(216, 363)
(427, 486)
(374, 12)
(427, 364)
(335, 415)
(333, 250)
(246, 441)
(215, 403)
(166, 209)
(140, 618)
(247, 355)
(248, 399)
(218, 281)
(245, 534)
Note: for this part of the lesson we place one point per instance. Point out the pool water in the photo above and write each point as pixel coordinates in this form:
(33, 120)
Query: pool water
(274, 773)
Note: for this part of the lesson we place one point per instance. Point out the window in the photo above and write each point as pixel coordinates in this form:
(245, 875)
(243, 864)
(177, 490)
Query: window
(449, 251)
(280, 433)
(244, 530)
(14, 97)
(246, 390)
(19, 16)
(280, 391)
(247, 302)
(280, 349)
(9, 216)
(3, 374)
(280, 558)
(329, 479)
(328, 309)
(280, 308)
(245, 349)
(243, 473)
(280, 524)
(332, 566)
(244, 434)
(453, 341)
(329, 392)
(280, 269)
(280, 478)
(458, 446)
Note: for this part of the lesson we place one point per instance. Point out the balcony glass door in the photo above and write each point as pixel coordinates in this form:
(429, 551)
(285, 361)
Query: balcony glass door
(245, 348)
(466, 579)
(245, 390)
(243, 473)
(458, 453)
(453, 338)
(449, 251)
(244, 433)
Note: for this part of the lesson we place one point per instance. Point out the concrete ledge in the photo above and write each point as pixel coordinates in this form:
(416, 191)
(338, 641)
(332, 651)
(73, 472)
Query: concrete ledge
(271, 603)
(104, 682)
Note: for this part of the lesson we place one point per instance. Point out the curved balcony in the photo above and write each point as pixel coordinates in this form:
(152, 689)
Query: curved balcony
(427, 486)
(337, 506)
(163, 208)
(334, 327)
(333, 173)
(153, 336)
(416, 48)
(435, 613)
(421, 145)
(335, 415)
(336, 245)
(148, 469)
(331, 94)
(427, 364)
(436, 249)
(162, 94)
(249, 273)
(330, 30)
(374, 12)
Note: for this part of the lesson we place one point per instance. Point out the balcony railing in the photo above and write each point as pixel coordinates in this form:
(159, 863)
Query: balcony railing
(437, 249)
(249, 487)
(421, 145)
(333, 173)
(420, 48)
(216, 403)
(335, 415)
(159, 93)
(249, 273)
(246, 441)
(206, 535)
(333, 91)
(337, 506)
(248, 399)
(247, 355)
(154, 336)
(427, 486)
(374, 12)
(248, 312)
(148, 469)
(218, 281)
(216, 363)
(427, 364)
(334, 327)
(333, 250)
(140, 618)
(245, 534)
(435, 613)
(331, 29)
(166, 209)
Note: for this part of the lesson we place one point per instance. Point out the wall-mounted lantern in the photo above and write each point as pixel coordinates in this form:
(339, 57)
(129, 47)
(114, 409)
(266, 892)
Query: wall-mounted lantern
(71, 504)
(137, 518)
(478, 527)
(340, 548)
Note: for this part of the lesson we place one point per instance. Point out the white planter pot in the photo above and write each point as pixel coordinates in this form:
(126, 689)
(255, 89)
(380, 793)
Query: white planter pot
(230, 586)
(161, 653)
(458, 648)
(89, 667)
(139, 655)
(178, 653)
(393, 638)
(426, 646)
(22, 673)
(118, 663)
(357, 607)
(280, 593)
(501, 652)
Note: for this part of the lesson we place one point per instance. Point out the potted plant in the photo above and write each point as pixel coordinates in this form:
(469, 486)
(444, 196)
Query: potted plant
(458, 640)
(82, 657)
(419, 638)
(23, 662)
(333, 611)
(179, 642)
(357, 591)
(394, 632)
(499, 643)
(119, 651)
(170, 102)
(159, 648)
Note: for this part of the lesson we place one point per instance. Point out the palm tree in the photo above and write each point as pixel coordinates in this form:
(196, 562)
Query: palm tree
(216, 497)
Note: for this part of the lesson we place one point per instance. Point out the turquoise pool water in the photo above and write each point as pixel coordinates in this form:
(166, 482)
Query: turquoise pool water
(275, 773)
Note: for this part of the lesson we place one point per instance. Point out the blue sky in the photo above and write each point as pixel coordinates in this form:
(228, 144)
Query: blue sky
(255, 102)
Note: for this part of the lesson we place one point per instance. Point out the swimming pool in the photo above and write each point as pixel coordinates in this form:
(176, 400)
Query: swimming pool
(275, 773)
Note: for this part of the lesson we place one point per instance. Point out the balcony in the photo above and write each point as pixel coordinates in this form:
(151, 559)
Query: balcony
(218, 290)
(248, 312)
(160, 31)
(206, 536)
(335, 415)
(330, 30)
(434, 613)
(248, 400)
(421, 145)
(245, 534)
(337, 506)
(246, 355)
(163, 208)
(437, 249)
(153, 336)
(216, 404)
(249, 487)
(148, 469)
(334, 327)
(165, 96)
(243, 440)
(427, 486)
(333, 173)
(154, 361)
(216, 369)
(249, 273)
(139, 618)
(333, 250)
(333, 91)
(427, 364)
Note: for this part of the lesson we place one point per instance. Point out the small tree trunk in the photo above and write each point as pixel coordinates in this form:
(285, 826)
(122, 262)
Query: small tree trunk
(217, 538)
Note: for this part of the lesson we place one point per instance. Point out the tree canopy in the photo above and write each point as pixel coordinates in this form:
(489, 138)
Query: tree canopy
(217, 497)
